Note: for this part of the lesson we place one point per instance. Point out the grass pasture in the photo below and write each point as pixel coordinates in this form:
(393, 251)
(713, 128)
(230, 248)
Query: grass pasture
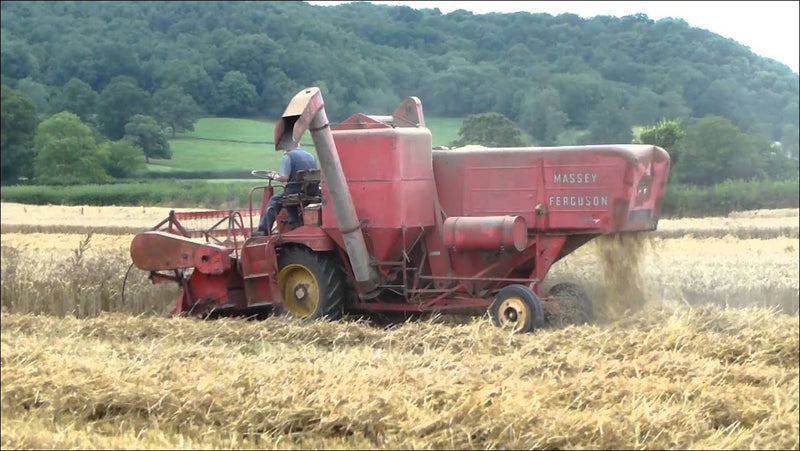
(202, 155)
(223, 144)
(444, 130)
(709, 360)
(231, 128)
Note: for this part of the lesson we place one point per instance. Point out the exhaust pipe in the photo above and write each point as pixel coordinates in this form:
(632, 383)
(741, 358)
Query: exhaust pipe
(306, 110)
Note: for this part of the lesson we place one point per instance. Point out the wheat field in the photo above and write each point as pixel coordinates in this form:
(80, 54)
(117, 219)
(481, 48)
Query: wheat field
(706, 356)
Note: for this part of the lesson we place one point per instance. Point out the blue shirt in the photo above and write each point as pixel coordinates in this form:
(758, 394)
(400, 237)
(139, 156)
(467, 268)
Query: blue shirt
(297, 160)
(286, 165)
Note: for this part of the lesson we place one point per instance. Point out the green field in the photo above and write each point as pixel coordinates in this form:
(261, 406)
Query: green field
(444, 130)
(261, 130)
(202, 155)
(226, 144)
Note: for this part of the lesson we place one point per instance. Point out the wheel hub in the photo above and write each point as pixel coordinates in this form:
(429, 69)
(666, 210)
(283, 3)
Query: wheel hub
(511, 315)
(513, 312)
(300, 290)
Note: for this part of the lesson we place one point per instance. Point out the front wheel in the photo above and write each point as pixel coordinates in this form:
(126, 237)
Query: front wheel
(518, 307)
(311, 283)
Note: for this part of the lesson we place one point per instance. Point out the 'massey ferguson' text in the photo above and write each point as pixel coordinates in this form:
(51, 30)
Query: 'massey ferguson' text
(575, 178)
(578, 201)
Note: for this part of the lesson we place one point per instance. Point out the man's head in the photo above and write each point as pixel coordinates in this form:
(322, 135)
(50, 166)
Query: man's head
(286, 143)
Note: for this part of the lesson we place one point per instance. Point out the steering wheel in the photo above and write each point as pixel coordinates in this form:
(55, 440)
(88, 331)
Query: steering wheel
(262, 174)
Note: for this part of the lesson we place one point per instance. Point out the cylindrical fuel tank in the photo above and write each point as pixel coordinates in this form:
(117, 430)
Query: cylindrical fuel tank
(485, 233)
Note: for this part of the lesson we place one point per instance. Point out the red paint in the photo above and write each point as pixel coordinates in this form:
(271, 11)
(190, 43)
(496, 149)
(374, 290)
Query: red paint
(445, 229)
(485, 233)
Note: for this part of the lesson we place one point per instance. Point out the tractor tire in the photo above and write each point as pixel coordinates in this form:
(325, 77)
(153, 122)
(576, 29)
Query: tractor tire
(311, 283)
(577, 305)
(518, 307)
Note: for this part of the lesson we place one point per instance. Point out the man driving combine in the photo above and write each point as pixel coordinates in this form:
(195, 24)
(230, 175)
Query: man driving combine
(294, 159)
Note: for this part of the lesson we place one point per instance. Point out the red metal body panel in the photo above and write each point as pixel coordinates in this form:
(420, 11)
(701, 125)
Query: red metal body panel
(390, 176)
(161, 251)
(588, 189)
(259, 266)
(312, 237)
(202, 293)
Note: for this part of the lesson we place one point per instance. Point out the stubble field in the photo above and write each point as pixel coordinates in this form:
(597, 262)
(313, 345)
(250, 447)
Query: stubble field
(706, 357)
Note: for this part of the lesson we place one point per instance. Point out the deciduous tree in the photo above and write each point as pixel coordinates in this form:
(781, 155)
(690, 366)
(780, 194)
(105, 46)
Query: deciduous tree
(715, 150)
(665, 134)
(66, 152)
(192, 78)
(119, 101)
(609, 123)
(236, 94)
(78, 97)
(16, 61)
(541, 115)
(39, 93)
(18, 121)
(175, 108)
(145, 132)
(124, 158)
(489, 129)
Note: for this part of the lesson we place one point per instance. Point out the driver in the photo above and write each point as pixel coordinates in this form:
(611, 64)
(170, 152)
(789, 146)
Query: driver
(294, 159)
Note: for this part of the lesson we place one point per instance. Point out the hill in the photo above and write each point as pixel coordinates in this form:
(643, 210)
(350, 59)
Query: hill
(547, 73)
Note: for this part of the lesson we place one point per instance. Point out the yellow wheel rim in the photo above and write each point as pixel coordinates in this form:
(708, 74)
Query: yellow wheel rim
(513, 312)
(300, 290)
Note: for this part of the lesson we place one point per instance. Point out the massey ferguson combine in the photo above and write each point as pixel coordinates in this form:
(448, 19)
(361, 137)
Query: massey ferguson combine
(401, 227)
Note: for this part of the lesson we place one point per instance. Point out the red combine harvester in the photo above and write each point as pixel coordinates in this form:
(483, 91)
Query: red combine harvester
(401, 227)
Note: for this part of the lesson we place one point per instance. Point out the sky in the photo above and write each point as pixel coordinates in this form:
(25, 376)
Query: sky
(768, 28)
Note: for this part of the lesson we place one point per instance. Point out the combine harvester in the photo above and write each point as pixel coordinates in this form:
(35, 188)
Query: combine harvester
(401, 227)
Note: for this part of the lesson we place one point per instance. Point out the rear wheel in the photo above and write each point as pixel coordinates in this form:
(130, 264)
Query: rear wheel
(311, 283)
(517, 307)
(576, 305)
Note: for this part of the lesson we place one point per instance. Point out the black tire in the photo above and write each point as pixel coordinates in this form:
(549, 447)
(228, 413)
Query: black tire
(577, 305)
(518, 307)
(312, 284)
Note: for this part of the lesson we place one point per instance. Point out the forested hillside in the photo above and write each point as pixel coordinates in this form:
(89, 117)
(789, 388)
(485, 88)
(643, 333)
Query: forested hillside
(559, 78)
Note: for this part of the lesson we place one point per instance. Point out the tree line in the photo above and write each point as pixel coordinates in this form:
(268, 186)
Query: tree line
(703, 152)
(142, 71)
